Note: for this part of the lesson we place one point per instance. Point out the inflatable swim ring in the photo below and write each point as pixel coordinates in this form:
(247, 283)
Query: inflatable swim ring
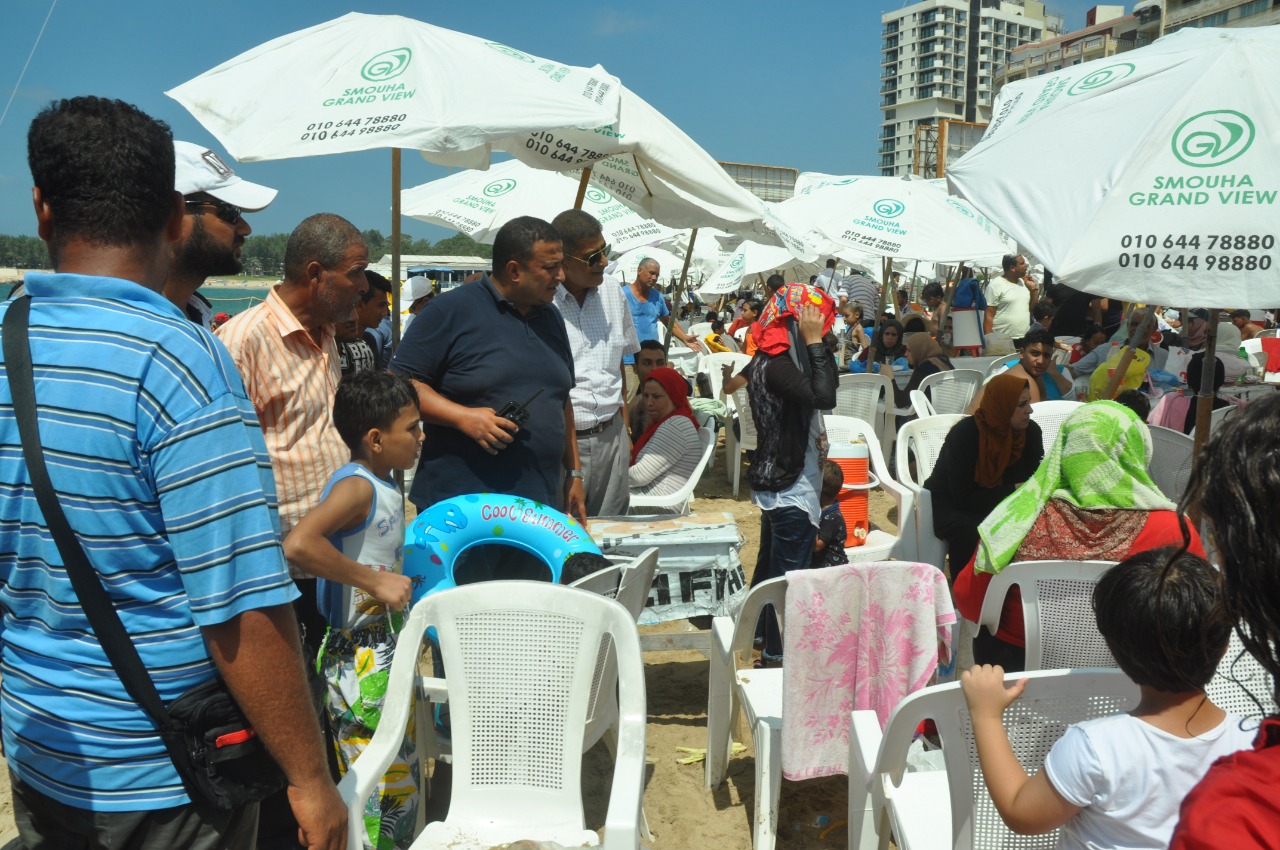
(433, 542)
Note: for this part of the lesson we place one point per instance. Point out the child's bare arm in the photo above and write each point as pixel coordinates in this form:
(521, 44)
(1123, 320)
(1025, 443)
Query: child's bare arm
(308, 546)
(1029, 805)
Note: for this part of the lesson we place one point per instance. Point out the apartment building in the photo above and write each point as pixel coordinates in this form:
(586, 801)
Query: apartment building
(938, 58)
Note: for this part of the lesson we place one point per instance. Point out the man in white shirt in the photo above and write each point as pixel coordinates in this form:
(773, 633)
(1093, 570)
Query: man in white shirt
(830, 281)
(1010, 299)
(601, 333)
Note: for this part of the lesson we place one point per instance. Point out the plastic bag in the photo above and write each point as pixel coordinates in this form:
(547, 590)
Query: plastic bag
(1133, 376)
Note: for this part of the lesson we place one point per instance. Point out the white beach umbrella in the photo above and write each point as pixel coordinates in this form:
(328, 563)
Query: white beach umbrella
(362, 82)
(624, 268)
(728, 269)
(1134, 175)
(889, 217)
(645, 160)
(478, 203)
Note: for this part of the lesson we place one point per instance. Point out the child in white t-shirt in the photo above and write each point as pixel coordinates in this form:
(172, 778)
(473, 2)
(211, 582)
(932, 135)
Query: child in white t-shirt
(1117, 782)
(353, 541)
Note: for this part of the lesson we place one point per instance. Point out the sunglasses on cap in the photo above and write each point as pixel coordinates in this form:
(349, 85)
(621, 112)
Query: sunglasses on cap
(598, 257)
(227, 212)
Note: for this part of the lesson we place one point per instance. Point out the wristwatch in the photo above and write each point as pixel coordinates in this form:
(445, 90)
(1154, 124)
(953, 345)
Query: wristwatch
(575, 473)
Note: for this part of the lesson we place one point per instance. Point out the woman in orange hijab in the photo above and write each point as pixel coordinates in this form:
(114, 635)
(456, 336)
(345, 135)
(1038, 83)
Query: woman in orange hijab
(983, 460)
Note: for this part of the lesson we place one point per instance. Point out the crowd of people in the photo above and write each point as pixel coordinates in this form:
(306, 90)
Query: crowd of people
(246, 466)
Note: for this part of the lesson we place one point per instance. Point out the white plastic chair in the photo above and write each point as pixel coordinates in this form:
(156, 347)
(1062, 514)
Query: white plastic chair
(712, 366)
(759, 693)
(869, 398)
(603, 582)
(637, 579)
(679, 500)
(734, 444)
(999, 366)
(522, 664)
(1268, 332)
(880, 545)
(947, 392)
(699, 329)
(1216, 418)
(1171, 457)
(951, 808)
(923, 439)
(1061, 631)
(1050, 415)
(1063, 357)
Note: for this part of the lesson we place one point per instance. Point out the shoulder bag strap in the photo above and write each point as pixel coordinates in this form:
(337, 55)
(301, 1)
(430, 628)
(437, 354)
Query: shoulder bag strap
(85, 580)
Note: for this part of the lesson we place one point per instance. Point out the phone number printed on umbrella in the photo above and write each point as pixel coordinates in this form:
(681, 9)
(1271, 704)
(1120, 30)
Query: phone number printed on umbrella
(562, 150)
(322, 130)
(1219, 242)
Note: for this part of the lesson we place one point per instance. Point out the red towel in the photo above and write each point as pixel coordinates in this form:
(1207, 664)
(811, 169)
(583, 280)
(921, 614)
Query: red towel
(1271, 348)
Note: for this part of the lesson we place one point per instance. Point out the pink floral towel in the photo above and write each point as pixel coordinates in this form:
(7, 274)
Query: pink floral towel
(857, 636)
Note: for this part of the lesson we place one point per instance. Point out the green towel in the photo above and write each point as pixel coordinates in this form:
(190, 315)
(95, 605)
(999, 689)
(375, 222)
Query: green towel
(1098, 461)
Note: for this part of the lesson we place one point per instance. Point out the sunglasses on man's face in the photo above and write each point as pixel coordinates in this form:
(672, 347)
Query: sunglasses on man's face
(598, 257)
(227, 212)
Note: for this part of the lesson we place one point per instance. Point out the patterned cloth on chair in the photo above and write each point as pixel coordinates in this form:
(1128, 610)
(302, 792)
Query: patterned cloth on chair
(858, 636)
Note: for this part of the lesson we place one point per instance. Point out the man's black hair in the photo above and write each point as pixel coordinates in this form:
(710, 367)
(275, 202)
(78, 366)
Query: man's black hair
(575, 228)
(105, 168)
(651, 345)
(1008, 261)
(832, 481)
(582, 564)
(775, 282)
(831, 263)
(377, 283)
(1039, 336)
(756, 305)
(368, 400)
(717, 326)
(323, 238)
(932, 290)
(1135, 401)
(1092, 330)
(1241, 314)
(1041, 311)
(1162, 619)
(516, 238)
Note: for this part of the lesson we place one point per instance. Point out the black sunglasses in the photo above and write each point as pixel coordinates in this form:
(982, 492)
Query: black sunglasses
(595, 258)
(227, 212)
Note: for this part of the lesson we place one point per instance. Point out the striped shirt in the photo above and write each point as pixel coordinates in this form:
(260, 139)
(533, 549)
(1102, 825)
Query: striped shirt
(865, 292)
(600, 333)
(160, 467)
(291, 381)
(667, 461)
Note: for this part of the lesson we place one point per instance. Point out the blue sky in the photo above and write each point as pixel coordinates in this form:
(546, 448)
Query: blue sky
(793, 84)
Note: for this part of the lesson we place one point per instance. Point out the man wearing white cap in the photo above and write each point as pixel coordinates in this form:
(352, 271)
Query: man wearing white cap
(213, 229)
(415, 292)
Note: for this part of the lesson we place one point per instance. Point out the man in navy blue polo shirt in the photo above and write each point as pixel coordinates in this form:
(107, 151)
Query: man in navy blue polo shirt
(476, 348)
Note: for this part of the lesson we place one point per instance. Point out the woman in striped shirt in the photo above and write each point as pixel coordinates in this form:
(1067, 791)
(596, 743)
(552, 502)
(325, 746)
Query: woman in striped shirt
(666, 454)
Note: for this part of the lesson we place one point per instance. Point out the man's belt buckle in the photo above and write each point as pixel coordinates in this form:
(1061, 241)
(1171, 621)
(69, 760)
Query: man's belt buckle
(595, 429)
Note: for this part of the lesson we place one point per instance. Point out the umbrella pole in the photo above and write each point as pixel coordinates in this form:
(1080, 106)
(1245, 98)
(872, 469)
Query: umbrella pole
(1144, 335)
(760, 278)
(680, 287)
(582, 188)
(395, 247)
(1204, 394)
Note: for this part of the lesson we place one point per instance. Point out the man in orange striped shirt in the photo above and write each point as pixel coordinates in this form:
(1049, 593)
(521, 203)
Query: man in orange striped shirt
(286, 353)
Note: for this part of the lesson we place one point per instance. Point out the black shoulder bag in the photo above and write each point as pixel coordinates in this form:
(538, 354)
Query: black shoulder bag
(216, 752)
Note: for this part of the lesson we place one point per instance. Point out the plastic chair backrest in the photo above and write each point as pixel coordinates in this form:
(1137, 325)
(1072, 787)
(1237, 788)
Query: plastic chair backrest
(999, 365)
(1215, 419)
(746, 422)
(1050, 415)
(922, 439)
(1063, 357)
(1268, 332)
(951, 391)
(699, 329)
(1057, 610)
(535, 646)
(1171, 456)
(602, 582)
(712, 364)
(846, 428)
(637, 579)
(1241, 685)
(859, 395)
(920, 404)
(1052, 701)
(679, 500)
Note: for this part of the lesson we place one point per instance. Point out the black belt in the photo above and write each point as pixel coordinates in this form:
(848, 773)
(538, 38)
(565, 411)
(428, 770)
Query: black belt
(597, 428)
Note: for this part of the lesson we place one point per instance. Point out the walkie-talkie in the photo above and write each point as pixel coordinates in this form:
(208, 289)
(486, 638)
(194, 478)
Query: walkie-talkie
(518, 413)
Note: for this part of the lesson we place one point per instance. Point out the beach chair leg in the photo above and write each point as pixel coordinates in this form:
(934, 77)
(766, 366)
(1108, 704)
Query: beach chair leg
(768, 785)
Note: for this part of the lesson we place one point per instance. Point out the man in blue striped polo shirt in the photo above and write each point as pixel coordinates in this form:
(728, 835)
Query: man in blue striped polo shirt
(162, 471)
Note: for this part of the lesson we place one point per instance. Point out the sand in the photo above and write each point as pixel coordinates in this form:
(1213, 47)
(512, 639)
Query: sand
(682, 813)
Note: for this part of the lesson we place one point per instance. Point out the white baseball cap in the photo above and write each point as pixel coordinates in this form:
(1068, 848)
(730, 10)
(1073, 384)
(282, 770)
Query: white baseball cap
(414, 288)
(199, 169)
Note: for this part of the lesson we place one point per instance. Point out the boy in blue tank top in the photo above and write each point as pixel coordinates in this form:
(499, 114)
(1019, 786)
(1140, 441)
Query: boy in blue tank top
(353, 542)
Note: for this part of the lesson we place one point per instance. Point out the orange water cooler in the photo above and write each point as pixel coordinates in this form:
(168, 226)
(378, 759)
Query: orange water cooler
(853, 458)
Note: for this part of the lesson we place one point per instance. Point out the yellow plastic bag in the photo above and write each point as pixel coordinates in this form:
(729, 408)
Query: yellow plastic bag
(1133, 376)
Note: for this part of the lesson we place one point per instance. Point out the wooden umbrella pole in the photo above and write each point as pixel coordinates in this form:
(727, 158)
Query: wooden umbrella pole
(1204, 394)
(582, 188)
(760, 278)
(395, 247)
(675, 303)
(1144, 335)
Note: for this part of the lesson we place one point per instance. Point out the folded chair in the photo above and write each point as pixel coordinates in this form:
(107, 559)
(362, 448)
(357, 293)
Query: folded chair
(521, 667)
